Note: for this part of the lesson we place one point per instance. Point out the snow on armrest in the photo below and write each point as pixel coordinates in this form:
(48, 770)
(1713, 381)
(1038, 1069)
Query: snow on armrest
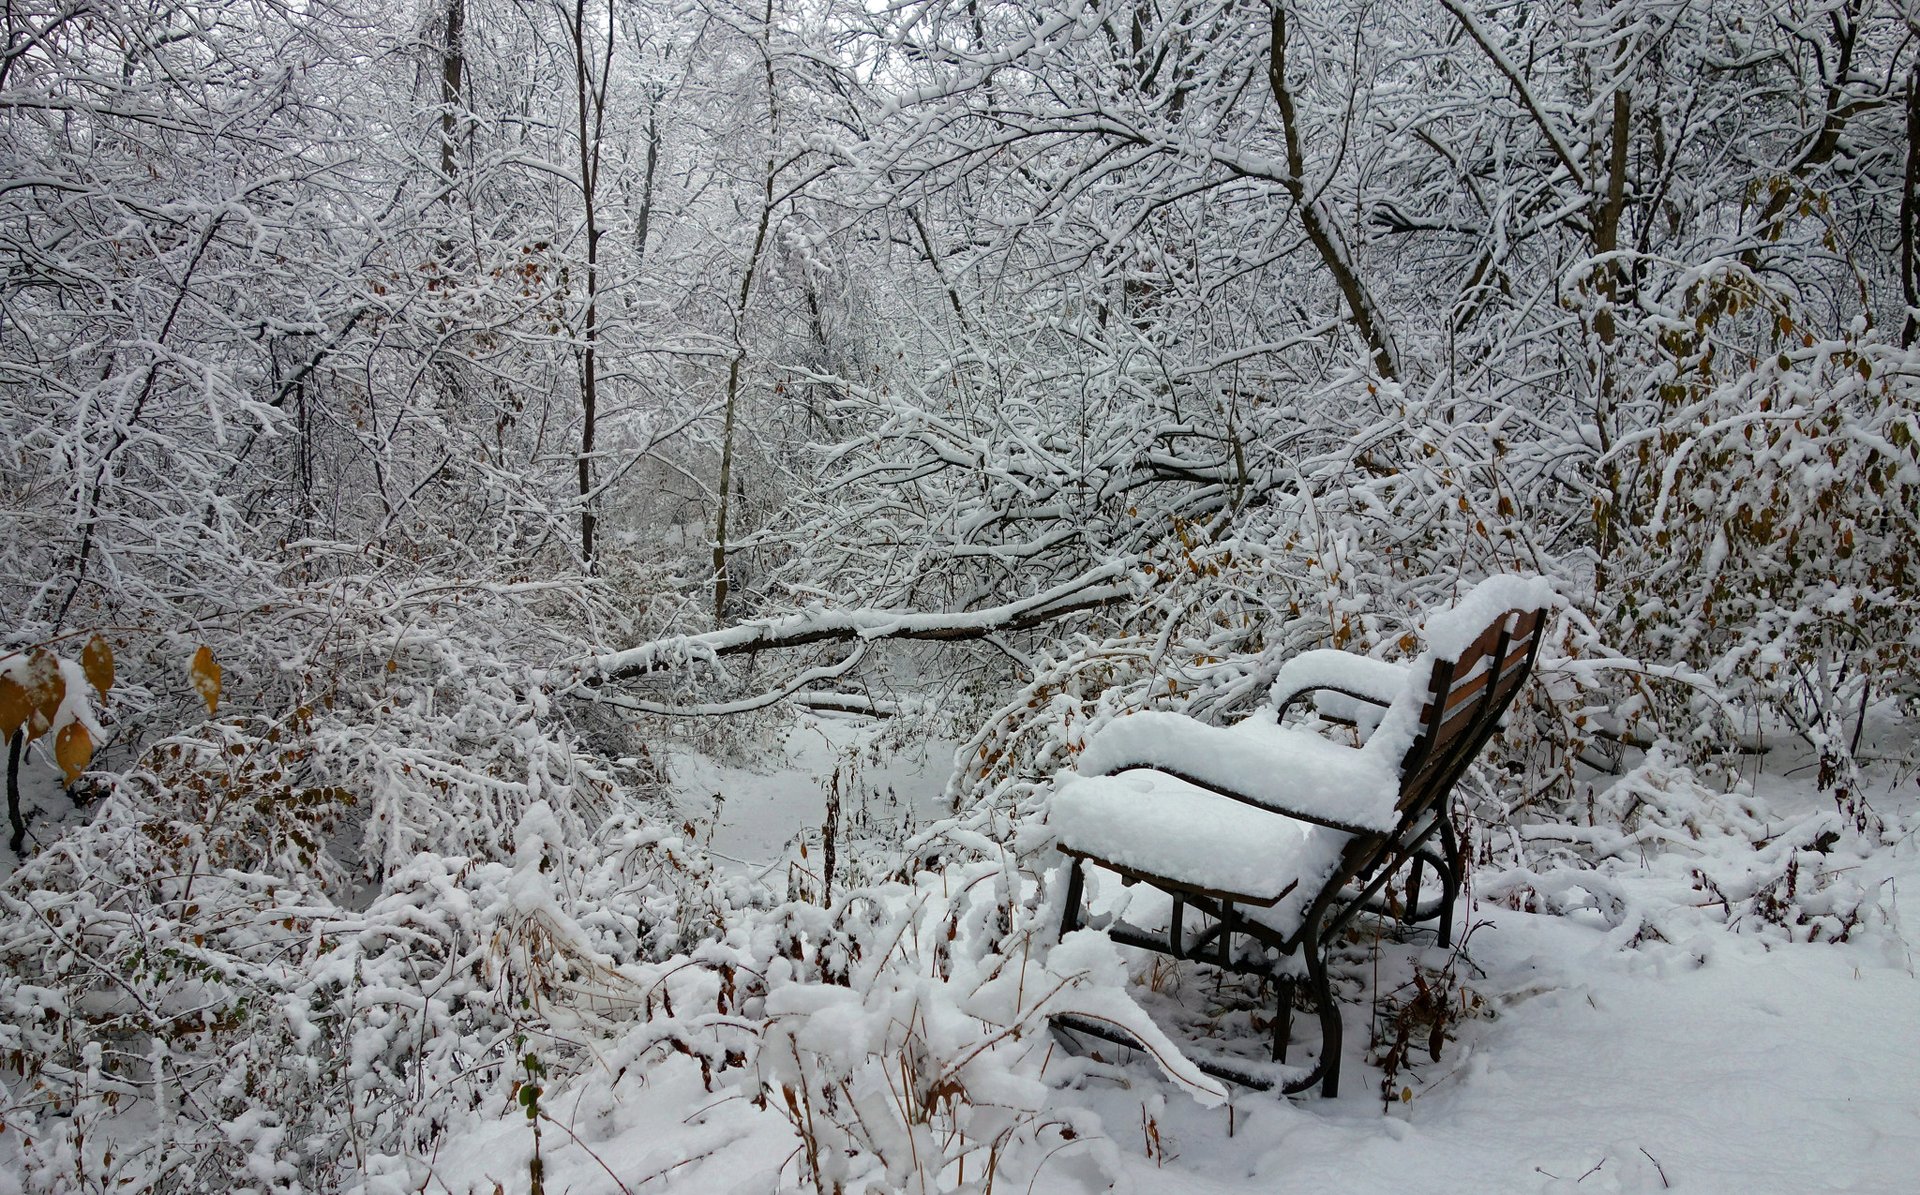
(1373, 680)
(1282, 770)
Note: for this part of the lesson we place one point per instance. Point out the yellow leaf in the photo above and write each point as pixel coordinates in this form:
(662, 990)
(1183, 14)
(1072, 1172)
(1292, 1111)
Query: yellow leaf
(206, 678)
(46, 689)
(97, 661)
(14, 707)
(72, 748)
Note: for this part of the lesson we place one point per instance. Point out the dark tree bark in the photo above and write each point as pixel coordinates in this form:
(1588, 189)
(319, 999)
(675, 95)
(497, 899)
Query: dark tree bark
(14, 748)
(1321, 232)
(453, 65)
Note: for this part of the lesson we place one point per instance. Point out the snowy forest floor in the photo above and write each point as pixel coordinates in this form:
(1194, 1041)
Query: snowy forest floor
(1695, 1059)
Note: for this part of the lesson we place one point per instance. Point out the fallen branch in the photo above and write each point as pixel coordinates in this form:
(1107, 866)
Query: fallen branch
(847, 703)
(1104, 586)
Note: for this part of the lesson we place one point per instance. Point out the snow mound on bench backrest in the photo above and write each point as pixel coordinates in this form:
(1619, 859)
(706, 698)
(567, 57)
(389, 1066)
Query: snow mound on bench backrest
(1450, 632)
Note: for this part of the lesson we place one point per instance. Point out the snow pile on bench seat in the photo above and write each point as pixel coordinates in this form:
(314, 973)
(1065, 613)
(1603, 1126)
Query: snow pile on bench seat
(1163, 827)
(1287, 771)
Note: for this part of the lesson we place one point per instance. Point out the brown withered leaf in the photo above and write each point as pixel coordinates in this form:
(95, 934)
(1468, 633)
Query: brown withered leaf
(206, 678)
(15, 708)
(46, 689)
(97, 662)
(72, 750)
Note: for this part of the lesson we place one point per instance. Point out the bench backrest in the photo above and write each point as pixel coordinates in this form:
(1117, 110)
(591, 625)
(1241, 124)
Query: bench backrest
(1464, 701)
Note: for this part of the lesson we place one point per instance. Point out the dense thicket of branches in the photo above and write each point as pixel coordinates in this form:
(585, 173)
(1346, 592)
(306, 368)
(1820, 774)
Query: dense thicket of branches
(488, 384)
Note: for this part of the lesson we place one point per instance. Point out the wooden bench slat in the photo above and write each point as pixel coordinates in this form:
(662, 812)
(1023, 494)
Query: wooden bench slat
(1467, 690)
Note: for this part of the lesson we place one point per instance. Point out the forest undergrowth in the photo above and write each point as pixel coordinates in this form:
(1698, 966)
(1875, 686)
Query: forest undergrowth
(421, 425)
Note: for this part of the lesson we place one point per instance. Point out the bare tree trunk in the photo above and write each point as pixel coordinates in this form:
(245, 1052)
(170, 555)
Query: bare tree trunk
(643, 224)
(453, 64)
(1609, 208)
(720, 585)
(590, 103)
(1910, 212)
(1324, 235)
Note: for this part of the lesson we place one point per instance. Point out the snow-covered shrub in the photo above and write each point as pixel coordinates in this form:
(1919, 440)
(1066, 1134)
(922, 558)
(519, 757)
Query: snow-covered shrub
(906, 1048)
(197, 995)
(1661, 852)
(901, 1033)
(146, 970)
(1766, 533)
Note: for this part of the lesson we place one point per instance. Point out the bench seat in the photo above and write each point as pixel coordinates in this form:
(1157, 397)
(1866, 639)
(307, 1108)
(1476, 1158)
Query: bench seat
(1161, 828)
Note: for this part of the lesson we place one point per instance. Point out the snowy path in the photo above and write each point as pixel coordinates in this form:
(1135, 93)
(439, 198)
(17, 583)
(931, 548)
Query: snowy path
(762, 809)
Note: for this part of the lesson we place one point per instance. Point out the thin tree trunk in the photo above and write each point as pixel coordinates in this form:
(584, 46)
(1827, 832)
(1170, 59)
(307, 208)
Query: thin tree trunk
(1608, 213)
(643, 225)
(1325, 237)
(728, 419)
(1845, 26)
(1910, 212)
(453, 62)
(590, 98)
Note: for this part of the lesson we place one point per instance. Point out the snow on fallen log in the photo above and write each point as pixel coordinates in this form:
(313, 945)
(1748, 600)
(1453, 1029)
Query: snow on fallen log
(1102, 586)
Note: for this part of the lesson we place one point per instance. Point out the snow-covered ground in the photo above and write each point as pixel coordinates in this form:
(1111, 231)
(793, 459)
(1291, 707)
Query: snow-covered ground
(1711, 1065)
(756, 814)
(1791, 1070)
(1710, 1061)
(1693, 1059)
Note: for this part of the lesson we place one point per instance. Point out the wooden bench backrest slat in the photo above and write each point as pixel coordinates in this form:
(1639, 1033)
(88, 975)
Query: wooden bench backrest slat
(1465, 699)
(1467, 676)
(1468, 690)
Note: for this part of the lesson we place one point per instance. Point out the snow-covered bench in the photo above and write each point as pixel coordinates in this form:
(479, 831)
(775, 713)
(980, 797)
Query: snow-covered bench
(1272, 837)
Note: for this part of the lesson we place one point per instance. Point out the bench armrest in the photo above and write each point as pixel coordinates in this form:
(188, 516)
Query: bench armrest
(1374, 682)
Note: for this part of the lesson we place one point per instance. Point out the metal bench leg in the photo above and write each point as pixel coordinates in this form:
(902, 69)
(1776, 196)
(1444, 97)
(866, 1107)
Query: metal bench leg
(1415, 872)
(1282, 1019)
(1076, 884)
(1330, 1026)
(1449, 881)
